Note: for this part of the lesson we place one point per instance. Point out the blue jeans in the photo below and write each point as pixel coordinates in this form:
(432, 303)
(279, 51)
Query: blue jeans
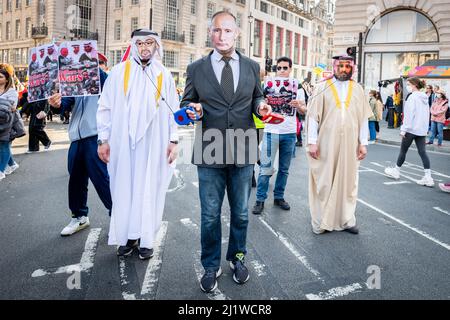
(84, 164)
(11, 161)
(213, 182)
(373, 132)
(285, 143)
(5, 155)
(439, 127)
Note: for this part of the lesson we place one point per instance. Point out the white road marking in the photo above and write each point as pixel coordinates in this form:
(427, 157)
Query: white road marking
(216, 294)
(441, 210)
(292, 249)
(419, 168)
(124, 280)
(150, 280)
(412, 148)
(396, 182)
(383, 174)
(416, 230)
(335, 292)
(195, 184)
(86, 261)
(259, 268)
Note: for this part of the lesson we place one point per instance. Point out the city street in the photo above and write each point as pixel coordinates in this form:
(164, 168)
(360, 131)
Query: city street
(402, 251)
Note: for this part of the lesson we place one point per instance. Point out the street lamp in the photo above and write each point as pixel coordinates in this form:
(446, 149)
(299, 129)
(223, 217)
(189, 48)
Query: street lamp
(251, 19)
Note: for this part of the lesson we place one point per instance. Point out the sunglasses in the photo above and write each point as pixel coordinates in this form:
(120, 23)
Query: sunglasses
(284, 68)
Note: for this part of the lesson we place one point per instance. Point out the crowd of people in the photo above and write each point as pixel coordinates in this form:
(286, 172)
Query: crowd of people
(126, 142)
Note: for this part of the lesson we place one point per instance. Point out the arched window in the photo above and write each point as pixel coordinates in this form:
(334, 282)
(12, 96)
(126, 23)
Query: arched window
(402, 26)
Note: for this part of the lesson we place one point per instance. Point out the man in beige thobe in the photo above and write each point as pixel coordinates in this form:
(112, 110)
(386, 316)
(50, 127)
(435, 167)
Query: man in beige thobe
(337, 133)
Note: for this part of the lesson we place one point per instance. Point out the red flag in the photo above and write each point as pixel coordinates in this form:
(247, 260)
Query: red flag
(126, 54)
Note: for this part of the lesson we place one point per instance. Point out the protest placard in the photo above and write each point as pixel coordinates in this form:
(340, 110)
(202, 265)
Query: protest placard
(279, 92)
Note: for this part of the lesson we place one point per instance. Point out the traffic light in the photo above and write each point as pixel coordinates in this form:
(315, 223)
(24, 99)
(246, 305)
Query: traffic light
(269, 64)
(351, 51)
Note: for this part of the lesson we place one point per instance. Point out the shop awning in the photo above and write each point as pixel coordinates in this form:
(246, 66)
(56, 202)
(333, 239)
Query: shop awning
(432, 69)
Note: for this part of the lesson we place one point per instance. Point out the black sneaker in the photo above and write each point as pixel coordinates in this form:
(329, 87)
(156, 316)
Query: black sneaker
(282, 204)
(258, 208)
(352, 230)
(240, 271)
(145, 254)
(48, 146)
(127, 249)
(208, 282)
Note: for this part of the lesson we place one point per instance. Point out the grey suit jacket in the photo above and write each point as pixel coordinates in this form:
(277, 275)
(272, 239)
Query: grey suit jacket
(226, 135)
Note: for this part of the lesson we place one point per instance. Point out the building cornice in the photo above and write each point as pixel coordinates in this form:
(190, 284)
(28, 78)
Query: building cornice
(292, 8)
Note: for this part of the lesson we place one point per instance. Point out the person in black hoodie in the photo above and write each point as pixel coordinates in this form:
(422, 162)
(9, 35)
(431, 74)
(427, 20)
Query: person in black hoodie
(37, 111)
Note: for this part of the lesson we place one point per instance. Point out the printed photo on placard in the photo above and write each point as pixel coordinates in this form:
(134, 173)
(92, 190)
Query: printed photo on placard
(279, 92)
(79, 73)
(42, 72)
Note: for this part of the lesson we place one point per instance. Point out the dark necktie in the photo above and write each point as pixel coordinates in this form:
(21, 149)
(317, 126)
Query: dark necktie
(227, 82)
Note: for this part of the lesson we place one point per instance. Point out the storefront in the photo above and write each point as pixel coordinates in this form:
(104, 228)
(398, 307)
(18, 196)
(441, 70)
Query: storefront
(396, 43)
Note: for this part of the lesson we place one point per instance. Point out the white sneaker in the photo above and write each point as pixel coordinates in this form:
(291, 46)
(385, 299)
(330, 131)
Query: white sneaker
(426, 181)
(392, 172)
(75, 225)
(11, 169)
(2, 176)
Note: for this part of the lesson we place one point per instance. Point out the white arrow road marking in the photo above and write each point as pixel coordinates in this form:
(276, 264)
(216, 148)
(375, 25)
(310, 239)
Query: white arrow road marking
(335, 292)
(416, 230)
(441, 210)
(87, 258)
(291, 247)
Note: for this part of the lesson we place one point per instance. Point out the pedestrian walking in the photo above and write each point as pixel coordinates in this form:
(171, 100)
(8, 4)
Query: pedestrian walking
(414, 128)
(374, 118)
(438, 111)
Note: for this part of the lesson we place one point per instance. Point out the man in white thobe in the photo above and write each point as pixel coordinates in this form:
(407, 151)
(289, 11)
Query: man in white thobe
(138, 139)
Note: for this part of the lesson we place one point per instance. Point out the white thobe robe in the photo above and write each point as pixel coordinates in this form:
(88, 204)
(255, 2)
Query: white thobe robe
(138, 129)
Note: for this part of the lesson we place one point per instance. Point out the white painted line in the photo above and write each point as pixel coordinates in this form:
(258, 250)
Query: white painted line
(412, 148)
(195, 184)
(216, 294)
(416, 230)
(441, 210)
(383, 174)
(335, 292)
(366, 170)
(376, 164)
(292, 249)
(150, 279)
(124, 280)
(419, 168)
(86, 261)
(259, 268)
(396, 182)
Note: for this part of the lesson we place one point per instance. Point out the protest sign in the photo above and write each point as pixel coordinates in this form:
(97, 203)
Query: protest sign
(42, 72)
(279, 92)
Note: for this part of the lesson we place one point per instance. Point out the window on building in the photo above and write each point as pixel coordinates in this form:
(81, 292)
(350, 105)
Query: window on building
(284, 15)
(28, 3)
(134, 23)
(1, 10)
(279, 43)
(239, 20)
(8, 30)
(191, 58)
(268, 39)
(257, 38)
(297, 49)
(84, 19)
(264, 7)
(1, 33)
(305, 51)
(118, 4)
(192, 30)
(134, 2)
(288, 52)
(17, 33)
(18, 4)
(301, 22)
(193, 6)
(117, 29)
(239, 43)
(172, 15)
(170, 59)
(241, 2)
(409, 26)
(8, 5)
(211, 9)
(28, 28)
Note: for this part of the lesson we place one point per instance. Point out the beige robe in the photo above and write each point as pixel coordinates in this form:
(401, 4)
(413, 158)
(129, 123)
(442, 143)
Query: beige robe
(333, 178)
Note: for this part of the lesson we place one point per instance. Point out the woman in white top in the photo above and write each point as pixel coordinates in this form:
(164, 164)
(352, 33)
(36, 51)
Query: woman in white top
(415, 127)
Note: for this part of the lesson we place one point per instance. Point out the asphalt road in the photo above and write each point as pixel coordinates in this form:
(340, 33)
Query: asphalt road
(402, 251)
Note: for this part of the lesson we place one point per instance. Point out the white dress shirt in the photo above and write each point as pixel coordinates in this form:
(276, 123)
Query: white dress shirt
(218, 64)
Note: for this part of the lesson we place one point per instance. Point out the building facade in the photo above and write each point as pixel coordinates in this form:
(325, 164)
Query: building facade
(28, 23)
(392, 36)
